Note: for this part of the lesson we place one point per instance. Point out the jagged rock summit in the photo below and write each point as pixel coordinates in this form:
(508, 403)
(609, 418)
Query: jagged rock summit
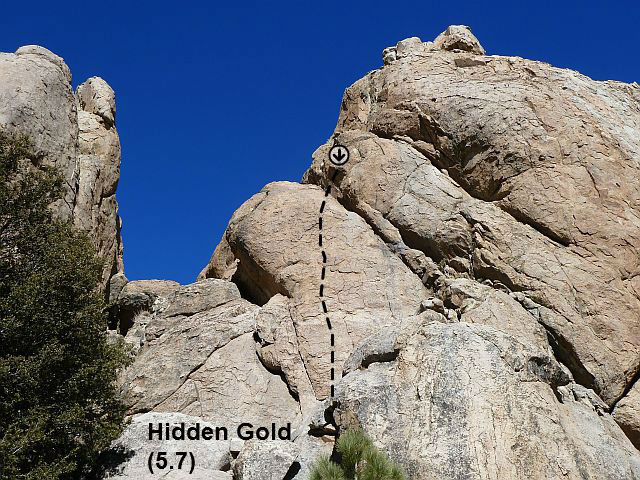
(465, 288)
(456, 38)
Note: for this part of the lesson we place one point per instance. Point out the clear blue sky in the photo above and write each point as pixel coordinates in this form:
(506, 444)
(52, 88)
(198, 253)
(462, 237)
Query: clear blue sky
(216, 99)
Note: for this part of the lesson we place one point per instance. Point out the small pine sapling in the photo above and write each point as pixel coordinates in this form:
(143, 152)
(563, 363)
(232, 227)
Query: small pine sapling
(359, 460)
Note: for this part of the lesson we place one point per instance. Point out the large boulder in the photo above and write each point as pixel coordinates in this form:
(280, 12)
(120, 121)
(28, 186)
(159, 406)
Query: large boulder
(98, 98)
(267, 461)
(459, 37)
(129, 456)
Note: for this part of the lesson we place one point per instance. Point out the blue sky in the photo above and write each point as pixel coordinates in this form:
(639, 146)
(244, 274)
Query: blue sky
(217, 99)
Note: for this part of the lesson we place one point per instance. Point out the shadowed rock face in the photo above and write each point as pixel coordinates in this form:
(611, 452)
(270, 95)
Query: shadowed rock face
(477, 262)
(74, 132)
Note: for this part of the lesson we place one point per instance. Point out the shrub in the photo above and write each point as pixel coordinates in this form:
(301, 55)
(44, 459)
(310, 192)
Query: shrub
(58, 400)
(359, 460)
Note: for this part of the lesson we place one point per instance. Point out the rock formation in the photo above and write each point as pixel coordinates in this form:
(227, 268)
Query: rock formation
(74, 132)
(472, 266)
(510, 188)
(465, 288)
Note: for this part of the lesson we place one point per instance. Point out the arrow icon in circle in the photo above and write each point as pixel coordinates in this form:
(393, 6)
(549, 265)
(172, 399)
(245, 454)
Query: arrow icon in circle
(339, 155)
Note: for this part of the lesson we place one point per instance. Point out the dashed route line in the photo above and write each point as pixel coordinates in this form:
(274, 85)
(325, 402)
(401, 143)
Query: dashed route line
(322, 279)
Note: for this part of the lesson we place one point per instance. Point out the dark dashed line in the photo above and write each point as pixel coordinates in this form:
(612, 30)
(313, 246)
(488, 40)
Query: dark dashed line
(322, 277)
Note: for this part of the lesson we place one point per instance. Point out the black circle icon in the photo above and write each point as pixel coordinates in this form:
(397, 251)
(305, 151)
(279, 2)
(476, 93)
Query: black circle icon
(339, 155)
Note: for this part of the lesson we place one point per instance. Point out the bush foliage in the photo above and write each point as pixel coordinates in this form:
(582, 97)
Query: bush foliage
(359, 460)
(58, 401)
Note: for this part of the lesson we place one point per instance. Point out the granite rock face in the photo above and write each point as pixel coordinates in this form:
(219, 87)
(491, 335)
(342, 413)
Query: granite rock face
(196, 355)
(72, 131)
(464, 288)
(465, 400)
(509, 170)
(273, 241)
(262, 461)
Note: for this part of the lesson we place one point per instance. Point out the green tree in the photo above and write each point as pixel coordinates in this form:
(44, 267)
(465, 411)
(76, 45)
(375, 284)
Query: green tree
(58, 400)
(359, 460)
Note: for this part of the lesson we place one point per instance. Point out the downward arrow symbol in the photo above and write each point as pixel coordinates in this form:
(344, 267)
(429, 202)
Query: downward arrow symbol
(339, 155)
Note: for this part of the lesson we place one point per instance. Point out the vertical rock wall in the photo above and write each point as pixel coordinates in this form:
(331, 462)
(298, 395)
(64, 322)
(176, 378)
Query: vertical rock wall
(74, 132)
